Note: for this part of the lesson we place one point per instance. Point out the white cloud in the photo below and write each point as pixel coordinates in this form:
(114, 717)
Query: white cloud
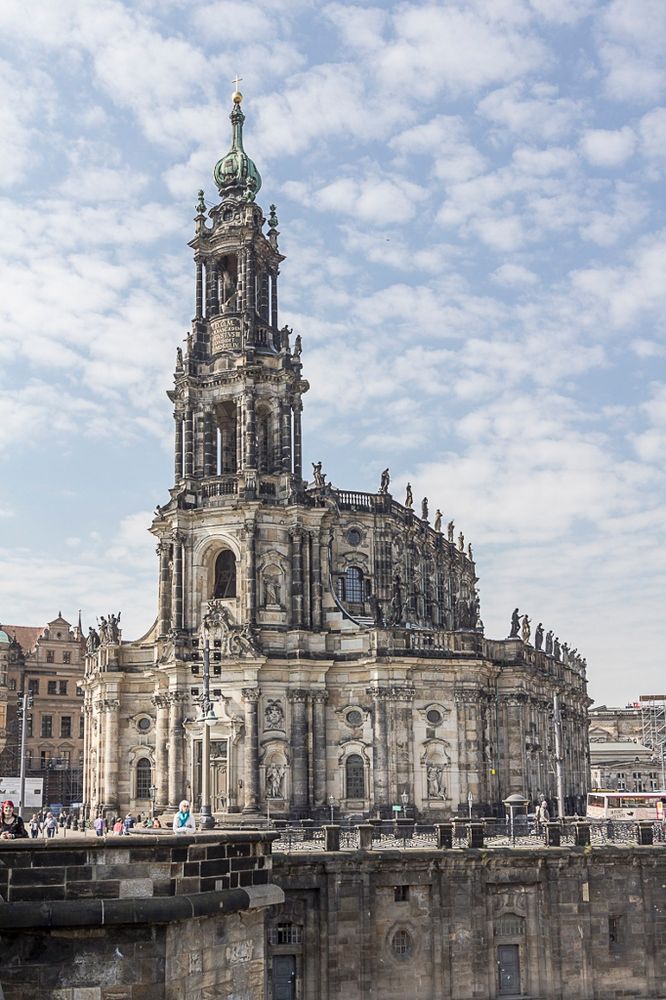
(445, 139)
(514, 275)
(652, 130)
(632, 48)
(535, 112)
(608, 147)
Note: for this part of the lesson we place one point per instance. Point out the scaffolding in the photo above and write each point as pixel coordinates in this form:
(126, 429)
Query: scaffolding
(653, 721)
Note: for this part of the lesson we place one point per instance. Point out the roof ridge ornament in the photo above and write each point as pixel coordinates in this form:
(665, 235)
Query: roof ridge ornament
(235, 174)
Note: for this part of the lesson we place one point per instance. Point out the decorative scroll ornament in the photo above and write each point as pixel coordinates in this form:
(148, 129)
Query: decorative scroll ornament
(229, 638)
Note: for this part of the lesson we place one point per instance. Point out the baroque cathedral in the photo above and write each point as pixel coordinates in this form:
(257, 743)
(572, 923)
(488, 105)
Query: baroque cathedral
(337, 633)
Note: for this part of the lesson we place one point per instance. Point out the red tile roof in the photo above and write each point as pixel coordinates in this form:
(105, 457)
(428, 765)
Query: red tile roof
(26, 635)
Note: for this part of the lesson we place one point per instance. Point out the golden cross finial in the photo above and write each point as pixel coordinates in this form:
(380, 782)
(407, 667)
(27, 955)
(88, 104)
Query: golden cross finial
(237, 80)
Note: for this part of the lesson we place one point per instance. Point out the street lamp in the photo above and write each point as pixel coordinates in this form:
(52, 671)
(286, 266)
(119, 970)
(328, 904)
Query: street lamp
(208, 719)
(331, 806)
(514, 802)
(152, 791)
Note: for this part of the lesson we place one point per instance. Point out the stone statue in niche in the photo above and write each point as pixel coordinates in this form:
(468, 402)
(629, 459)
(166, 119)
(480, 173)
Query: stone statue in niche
(435, 785)
(273, 715)
(275, 781)
(272, 591)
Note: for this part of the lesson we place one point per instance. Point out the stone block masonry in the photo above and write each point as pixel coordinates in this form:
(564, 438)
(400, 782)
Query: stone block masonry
(551, 923)
(145, 916)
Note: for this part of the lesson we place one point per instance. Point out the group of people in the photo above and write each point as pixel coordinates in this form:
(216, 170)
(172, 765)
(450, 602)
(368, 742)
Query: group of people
(47, 824)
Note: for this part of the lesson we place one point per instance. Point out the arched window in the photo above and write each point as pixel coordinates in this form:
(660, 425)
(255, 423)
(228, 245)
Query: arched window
(264, 441)
(225, 575)
(143, 778)
(352, 585)
(355, 777)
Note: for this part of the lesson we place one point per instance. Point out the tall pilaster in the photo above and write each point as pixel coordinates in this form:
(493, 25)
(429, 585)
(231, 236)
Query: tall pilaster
(110, 708)
(177, 582)
(403, 697)
(319, 699)
(251, 758)
(176, 790)
(380, 764)
(298, 441)
(296, 536)
(316, 583)
(178, 447)
(189, 441)
(164, 620)
(299, 749)
(161, 779)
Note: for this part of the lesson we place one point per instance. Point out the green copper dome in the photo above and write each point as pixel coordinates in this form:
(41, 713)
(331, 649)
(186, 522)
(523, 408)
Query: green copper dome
(4, 637)
(235, 173)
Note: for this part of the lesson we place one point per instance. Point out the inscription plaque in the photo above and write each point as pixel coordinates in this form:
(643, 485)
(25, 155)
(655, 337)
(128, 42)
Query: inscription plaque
(225, 335)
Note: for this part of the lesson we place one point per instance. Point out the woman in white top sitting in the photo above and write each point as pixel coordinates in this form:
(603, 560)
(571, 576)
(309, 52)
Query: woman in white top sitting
(183, 821)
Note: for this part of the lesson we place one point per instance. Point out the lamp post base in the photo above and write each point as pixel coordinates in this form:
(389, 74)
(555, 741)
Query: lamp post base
(206, 818)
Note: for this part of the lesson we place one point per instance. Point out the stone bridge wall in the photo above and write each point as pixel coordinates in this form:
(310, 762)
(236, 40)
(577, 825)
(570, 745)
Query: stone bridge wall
(146, 916)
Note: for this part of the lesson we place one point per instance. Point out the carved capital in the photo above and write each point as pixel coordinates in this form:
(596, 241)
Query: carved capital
(251, 694)
(299, 695)
(319, 697)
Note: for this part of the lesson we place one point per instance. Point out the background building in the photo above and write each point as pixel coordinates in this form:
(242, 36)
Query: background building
(48, 664)
(349, 666)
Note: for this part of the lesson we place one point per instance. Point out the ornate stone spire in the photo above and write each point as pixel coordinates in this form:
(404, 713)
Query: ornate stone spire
(236, 174)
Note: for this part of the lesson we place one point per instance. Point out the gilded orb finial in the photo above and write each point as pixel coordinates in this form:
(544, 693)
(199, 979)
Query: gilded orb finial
(237, 97)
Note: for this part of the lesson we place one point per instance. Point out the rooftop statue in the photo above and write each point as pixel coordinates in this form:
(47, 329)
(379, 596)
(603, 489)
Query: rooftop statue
(515, 624)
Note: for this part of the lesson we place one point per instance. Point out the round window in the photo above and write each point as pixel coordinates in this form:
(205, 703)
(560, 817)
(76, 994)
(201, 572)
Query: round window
(354, 718)
(401, 944)
(143, 725)
(354, 536)
(434, 716)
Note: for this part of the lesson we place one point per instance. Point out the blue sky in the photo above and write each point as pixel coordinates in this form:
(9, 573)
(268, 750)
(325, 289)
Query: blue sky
(471, 200)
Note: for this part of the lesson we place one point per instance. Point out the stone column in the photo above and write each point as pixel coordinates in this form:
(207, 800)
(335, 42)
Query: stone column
(164, 621)
(87, 744)
(307, 581)
(380, 748)
(274, 301)
(299, 750)
(161, 776)
(189, 442)
(209, 445)
(404, 739)
(251, 759)
(177, 582)
(319, 699)
(176, 778)
(263, 296)
(110, 708)
(198, 298)
(215, 293)
(285, 418)
(250, 432)
(178, 448)
(316, 583)
(296, 536)
(298, 447)
(249, 537)
(209, 288)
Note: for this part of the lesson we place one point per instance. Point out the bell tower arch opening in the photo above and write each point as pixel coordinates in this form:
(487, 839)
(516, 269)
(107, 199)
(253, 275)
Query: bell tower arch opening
(225, 582)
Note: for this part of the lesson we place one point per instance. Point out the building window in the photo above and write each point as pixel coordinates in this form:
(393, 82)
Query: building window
(43, 759)
(286, 934)
(52, 687)
(354, 718)
(143, 778)
(12, 684)
(614, 932)
(66, 657)
(401, 893)
(434, 716)
(66, 726)
(66, 758)
(355, 777)
(354, 536)
(47, 725)
(50, 656)
(33, 686)
(351, 585)
(143, 724)
(62, 687)
(510, 925)
(82, 723)
(401, 944)
(79, 691)
(28, 723)
(225, 575)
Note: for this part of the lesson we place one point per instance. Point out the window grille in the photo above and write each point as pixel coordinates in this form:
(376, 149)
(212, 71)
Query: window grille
(286, 934)
(401, 944)
(143, 778)
(510, 925)
(355, 777)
